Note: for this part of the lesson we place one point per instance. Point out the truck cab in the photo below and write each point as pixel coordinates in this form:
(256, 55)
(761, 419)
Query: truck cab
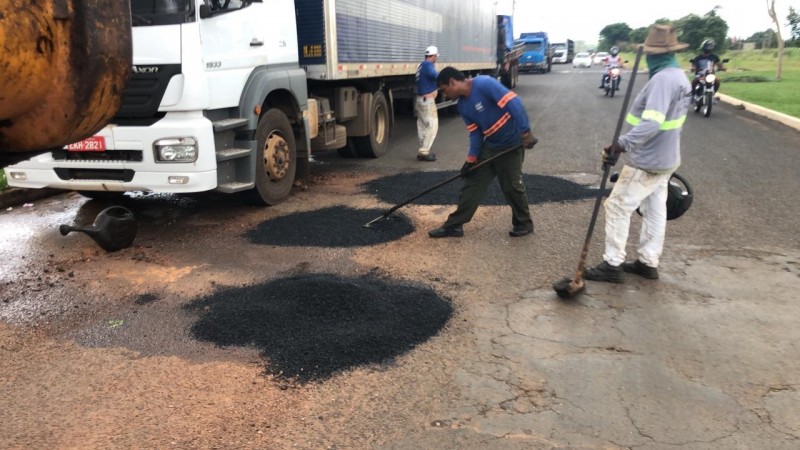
(216, 100)
(537, 56)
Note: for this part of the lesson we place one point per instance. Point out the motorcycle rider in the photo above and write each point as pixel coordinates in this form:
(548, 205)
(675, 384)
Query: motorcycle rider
(705, 61)
(611, 61)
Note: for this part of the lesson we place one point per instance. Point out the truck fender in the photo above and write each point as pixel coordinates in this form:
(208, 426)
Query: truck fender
(262, 82)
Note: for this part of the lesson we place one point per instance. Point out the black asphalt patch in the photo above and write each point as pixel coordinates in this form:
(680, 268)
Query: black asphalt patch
(311, 327)
(540, 189)
(331, 227)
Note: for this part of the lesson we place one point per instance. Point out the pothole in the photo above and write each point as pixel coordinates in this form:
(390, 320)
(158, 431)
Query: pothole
(331, 227)
(311, 327)
(540, 189)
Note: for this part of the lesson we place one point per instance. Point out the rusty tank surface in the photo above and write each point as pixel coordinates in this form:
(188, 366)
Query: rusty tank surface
(64, 66)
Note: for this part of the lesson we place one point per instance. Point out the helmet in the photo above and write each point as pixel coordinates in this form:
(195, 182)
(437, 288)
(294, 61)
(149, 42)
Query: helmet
(679, 196)
(614, 51)
(431, 51)
(708, 45)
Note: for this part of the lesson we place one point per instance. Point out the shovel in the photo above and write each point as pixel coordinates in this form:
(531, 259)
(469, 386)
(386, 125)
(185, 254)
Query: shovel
(440, 184)
(566, 287)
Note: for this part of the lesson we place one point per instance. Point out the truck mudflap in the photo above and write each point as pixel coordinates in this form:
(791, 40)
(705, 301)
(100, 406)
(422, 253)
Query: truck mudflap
(65, 64)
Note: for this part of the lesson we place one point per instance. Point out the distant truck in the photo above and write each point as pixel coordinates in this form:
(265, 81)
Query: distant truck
(564, 52)
(235, 95)
(537, 55)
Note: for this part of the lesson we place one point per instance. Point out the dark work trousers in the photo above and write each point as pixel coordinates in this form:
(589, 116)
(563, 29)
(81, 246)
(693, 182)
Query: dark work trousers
(508, 170)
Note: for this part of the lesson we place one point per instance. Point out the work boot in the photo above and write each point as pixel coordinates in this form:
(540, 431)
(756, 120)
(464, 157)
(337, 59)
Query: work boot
(641, 269)
(521, 230)
(604, 272)
(441, 232)
(428, 157)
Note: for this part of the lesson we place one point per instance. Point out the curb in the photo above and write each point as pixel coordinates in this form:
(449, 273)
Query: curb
(785, 119)
(16, 196)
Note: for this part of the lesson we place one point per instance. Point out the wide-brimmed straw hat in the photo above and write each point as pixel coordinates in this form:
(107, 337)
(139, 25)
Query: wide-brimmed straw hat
(662, 39)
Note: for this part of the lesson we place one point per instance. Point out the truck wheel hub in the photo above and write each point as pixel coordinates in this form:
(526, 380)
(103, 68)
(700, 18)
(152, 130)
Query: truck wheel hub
(276, 157)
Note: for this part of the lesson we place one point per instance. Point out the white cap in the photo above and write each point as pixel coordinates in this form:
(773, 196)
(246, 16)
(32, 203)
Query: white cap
(432, 50)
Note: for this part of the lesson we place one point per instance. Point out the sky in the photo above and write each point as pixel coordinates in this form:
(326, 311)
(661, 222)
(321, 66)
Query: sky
(583, 19)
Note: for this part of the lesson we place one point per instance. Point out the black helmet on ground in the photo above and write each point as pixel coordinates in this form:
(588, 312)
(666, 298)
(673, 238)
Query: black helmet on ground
(679, 195)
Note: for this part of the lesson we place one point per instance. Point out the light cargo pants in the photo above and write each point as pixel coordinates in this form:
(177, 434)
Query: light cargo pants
(636, 188)
(427, 123)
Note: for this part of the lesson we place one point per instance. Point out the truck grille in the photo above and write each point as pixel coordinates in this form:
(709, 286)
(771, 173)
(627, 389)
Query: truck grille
(143, 94)
(94, 174)
(110, 155)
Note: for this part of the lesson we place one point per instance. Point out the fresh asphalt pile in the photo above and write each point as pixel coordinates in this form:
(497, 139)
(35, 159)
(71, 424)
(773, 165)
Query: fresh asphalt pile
(338, 226)
(311, 327)
(540, 189)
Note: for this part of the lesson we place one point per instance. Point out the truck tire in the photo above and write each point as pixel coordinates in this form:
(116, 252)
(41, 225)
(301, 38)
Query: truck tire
(376, 143)
(276, 160)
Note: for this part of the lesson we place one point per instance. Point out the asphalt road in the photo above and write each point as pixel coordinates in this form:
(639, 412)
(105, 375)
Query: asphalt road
(407, 342)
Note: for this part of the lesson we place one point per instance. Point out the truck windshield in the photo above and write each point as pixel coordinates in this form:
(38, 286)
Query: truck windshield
(533, 46)
(161, 12)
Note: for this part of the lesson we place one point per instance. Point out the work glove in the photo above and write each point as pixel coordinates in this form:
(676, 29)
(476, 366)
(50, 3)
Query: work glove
(611, 153)
(465, 169)
(528, 140)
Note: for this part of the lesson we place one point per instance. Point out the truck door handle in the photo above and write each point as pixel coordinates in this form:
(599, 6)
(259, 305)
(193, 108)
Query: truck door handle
(256, 43)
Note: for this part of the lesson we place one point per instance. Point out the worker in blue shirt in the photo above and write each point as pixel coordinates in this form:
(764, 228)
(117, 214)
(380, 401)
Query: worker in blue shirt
(496, 121)
(425, 104)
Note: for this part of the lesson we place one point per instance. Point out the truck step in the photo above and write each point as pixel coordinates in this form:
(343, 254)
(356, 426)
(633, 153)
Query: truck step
(232, 153)
(228, 124)
(230, 188)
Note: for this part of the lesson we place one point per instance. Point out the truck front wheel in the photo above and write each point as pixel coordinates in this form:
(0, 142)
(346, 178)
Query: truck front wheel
(376, 143)
(276, 160)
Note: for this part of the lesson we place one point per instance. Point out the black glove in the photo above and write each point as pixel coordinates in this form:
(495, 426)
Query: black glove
(528, 140)
(465, 169)
(611, 153)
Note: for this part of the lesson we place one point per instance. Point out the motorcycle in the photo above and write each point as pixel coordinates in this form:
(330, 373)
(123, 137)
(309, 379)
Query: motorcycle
(611, 80)
(703, 95)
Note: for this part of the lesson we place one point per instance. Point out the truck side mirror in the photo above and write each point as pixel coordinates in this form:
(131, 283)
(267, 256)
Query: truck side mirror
(205, 11)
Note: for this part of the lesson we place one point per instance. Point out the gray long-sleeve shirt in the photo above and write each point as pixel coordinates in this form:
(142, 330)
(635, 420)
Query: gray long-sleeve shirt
(657, 116)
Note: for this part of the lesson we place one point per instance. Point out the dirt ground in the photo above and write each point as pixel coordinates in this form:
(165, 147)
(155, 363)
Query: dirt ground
(96, 349)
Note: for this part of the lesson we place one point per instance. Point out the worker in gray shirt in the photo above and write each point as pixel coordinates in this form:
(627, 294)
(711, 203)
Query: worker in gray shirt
(657, 116)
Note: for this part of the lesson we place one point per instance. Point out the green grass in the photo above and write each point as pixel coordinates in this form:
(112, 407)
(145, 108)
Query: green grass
(3, 183)
(751, 77)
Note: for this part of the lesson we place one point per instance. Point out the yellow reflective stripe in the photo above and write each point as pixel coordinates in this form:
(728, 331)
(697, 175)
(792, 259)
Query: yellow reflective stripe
(655, 116)
(666, 125)
(673, 124)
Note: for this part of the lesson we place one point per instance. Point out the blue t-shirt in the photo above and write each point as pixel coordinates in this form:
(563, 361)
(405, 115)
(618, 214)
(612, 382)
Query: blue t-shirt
(494, 115)
(426, 78)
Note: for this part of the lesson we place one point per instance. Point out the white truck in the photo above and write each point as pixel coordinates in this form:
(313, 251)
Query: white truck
(234, 95)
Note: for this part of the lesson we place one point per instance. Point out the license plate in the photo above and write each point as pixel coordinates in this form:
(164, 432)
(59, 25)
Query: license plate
(92, 144)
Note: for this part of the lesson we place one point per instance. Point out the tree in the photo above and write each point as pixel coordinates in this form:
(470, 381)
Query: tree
(764, 39)
(614, 34)
(638, 35)
(774, 17)
(694, 30)
(794, 21)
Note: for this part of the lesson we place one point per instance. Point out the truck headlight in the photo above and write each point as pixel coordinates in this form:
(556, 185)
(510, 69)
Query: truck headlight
(179, 150)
